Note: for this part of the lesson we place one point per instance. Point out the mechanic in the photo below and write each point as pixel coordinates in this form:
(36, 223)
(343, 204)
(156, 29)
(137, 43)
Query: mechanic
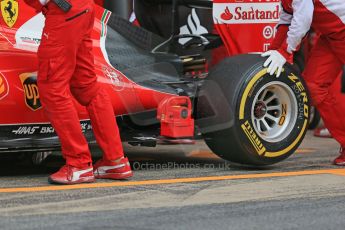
(326, 60)
(66, 68)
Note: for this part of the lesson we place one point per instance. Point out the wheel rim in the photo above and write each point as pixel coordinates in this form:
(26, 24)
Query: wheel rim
(274, 111)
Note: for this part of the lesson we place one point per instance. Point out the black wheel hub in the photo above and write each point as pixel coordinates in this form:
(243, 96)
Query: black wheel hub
(260, 110)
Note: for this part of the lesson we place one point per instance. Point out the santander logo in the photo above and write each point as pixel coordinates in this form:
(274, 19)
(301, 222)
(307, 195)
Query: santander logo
(241, 13)
(227, 15)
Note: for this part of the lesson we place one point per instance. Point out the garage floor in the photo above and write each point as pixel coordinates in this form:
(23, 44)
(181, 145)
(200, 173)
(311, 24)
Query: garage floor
(182, 187)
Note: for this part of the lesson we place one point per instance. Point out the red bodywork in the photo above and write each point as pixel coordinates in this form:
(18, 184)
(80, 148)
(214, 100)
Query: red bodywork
(22, 115)
(19, 95)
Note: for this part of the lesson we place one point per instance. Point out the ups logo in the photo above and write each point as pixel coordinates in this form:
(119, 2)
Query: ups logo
(32, 96)
(3, 87)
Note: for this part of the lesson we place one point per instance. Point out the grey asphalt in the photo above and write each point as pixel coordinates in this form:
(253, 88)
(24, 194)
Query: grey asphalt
(291, 202)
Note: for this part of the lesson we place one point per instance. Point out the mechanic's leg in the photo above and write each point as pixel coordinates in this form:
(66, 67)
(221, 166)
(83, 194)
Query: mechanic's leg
(56, 99)
(321, 71)
(57, 60)
(90, 93)
(343, 81)
(338, 48)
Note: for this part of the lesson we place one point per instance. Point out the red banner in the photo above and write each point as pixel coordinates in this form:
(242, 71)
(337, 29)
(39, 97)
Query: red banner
(246, 25)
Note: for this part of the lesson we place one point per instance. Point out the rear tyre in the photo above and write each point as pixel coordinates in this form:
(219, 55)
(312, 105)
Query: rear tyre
(315, 118)
(250, 117)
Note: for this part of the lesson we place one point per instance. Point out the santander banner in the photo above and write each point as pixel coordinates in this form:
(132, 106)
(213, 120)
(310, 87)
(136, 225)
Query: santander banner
(246, 25)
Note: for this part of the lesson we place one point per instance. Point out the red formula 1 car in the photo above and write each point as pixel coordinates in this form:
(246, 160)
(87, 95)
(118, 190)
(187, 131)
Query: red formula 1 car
(159, 82)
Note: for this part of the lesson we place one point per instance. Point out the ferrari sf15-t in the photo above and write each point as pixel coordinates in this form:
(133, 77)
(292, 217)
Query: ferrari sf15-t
(162, 84)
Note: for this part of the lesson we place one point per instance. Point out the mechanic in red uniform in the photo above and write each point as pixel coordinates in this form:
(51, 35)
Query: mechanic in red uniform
(326, 60)
(66, 68)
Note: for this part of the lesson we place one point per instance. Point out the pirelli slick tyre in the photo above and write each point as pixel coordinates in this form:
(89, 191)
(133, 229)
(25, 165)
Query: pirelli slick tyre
(250, 117)
(314, 118)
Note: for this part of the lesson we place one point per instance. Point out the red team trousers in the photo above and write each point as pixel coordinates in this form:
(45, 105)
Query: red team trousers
(326, 63)
(326, 59)
(66, 70)
(324, 66)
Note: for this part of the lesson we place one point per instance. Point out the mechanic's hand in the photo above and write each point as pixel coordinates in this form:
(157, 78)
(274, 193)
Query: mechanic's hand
(275, 62)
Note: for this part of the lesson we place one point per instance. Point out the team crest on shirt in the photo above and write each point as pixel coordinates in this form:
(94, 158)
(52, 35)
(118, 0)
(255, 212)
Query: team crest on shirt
(9, 11)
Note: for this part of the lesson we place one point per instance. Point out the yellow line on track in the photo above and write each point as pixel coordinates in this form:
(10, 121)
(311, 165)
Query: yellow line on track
(306, 150)
(340, 172)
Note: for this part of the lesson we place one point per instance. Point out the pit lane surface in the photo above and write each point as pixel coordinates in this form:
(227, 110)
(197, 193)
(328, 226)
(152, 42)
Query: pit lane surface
(182, 187)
